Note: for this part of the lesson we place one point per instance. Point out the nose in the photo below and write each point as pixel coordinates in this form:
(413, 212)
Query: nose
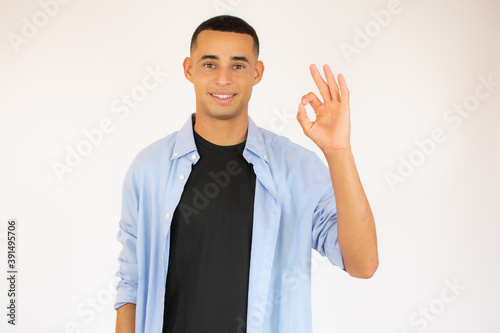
(223, 76)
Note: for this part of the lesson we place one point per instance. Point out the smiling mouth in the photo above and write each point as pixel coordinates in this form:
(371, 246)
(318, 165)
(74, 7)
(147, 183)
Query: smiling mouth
(222, 99)
(222, 96)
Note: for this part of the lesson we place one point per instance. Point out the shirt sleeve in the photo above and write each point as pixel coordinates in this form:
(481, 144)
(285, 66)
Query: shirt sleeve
(127, 235)
(324, 229)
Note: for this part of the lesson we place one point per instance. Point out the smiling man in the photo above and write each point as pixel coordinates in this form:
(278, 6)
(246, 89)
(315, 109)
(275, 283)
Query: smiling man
(219, 218)
(223, 68)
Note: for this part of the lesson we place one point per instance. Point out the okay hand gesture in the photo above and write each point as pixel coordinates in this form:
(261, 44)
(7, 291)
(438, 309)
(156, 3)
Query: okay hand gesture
(331, 129)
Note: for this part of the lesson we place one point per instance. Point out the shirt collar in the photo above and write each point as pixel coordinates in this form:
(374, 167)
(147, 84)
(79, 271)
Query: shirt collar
(184, 144)
(255, 141)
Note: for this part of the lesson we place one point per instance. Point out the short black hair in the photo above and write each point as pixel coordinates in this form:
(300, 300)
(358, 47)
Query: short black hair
(226, 23)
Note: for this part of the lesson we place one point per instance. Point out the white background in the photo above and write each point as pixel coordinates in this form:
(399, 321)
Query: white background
(437, 223)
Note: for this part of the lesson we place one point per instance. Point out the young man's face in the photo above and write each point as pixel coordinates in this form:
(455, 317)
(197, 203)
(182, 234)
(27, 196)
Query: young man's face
(223, 68)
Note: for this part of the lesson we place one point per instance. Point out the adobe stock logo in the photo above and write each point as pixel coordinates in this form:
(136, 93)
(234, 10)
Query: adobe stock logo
(425, 315)
(363, 37)
(31, 27)
(121, 107)
(428, 146)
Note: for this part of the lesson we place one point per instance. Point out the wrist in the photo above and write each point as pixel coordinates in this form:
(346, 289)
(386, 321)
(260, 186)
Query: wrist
(338, 152)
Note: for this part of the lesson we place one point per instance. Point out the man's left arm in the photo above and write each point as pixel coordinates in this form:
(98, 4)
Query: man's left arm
(330, 131)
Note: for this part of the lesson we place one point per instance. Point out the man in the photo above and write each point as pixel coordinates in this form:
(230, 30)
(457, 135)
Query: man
(219, 218)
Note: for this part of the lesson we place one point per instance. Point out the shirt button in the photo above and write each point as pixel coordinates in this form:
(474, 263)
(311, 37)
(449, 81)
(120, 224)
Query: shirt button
(265, 157)
(162, 299)
(167, 216)
(181, 177)
(193, 156)
(175, 154)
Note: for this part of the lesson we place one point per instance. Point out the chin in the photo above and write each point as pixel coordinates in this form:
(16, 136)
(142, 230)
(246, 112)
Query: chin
(224, 114)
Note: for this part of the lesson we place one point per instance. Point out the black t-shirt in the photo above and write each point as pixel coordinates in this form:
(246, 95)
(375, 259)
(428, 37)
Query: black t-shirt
(210, 244)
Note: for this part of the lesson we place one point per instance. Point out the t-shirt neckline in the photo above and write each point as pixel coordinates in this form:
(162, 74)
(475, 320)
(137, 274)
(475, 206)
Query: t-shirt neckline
(199, 140)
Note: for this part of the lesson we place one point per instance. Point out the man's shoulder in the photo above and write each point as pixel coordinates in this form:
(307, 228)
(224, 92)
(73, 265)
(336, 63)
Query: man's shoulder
(289, 160)
(282, 146)
(157, 152)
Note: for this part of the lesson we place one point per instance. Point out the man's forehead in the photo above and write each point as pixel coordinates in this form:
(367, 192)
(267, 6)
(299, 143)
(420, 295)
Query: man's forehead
(221, 42)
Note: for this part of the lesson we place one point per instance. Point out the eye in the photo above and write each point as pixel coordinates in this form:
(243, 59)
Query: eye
(239, 66)
(209, 65)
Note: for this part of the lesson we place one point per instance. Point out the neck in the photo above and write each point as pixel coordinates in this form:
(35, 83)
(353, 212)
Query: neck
(222, 132)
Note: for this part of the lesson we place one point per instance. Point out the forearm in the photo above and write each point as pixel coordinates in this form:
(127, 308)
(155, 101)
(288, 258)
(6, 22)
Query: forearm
(355, 224)
(125, 318)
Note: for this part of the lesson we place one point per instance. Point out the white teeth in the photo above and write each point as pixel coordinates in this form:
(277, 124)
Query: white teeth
(222, 96)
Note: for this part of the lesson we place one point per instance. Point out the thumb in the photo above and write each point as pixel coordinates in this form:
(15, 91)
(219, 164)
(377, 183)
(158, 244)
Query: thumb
(303, 119)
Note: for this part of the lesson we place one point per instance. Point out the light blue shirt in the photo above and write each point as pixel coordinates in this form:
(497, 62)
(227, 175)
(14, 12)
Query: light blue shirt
(294, 212)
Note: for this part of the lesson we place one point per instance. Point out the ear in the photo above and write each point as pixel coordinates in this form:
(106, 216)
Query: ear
(188, 67)
(259, 71)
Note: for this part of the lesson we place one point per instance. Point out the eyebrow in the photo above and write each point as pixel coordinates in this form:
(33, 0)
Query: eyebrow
(233, 58)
